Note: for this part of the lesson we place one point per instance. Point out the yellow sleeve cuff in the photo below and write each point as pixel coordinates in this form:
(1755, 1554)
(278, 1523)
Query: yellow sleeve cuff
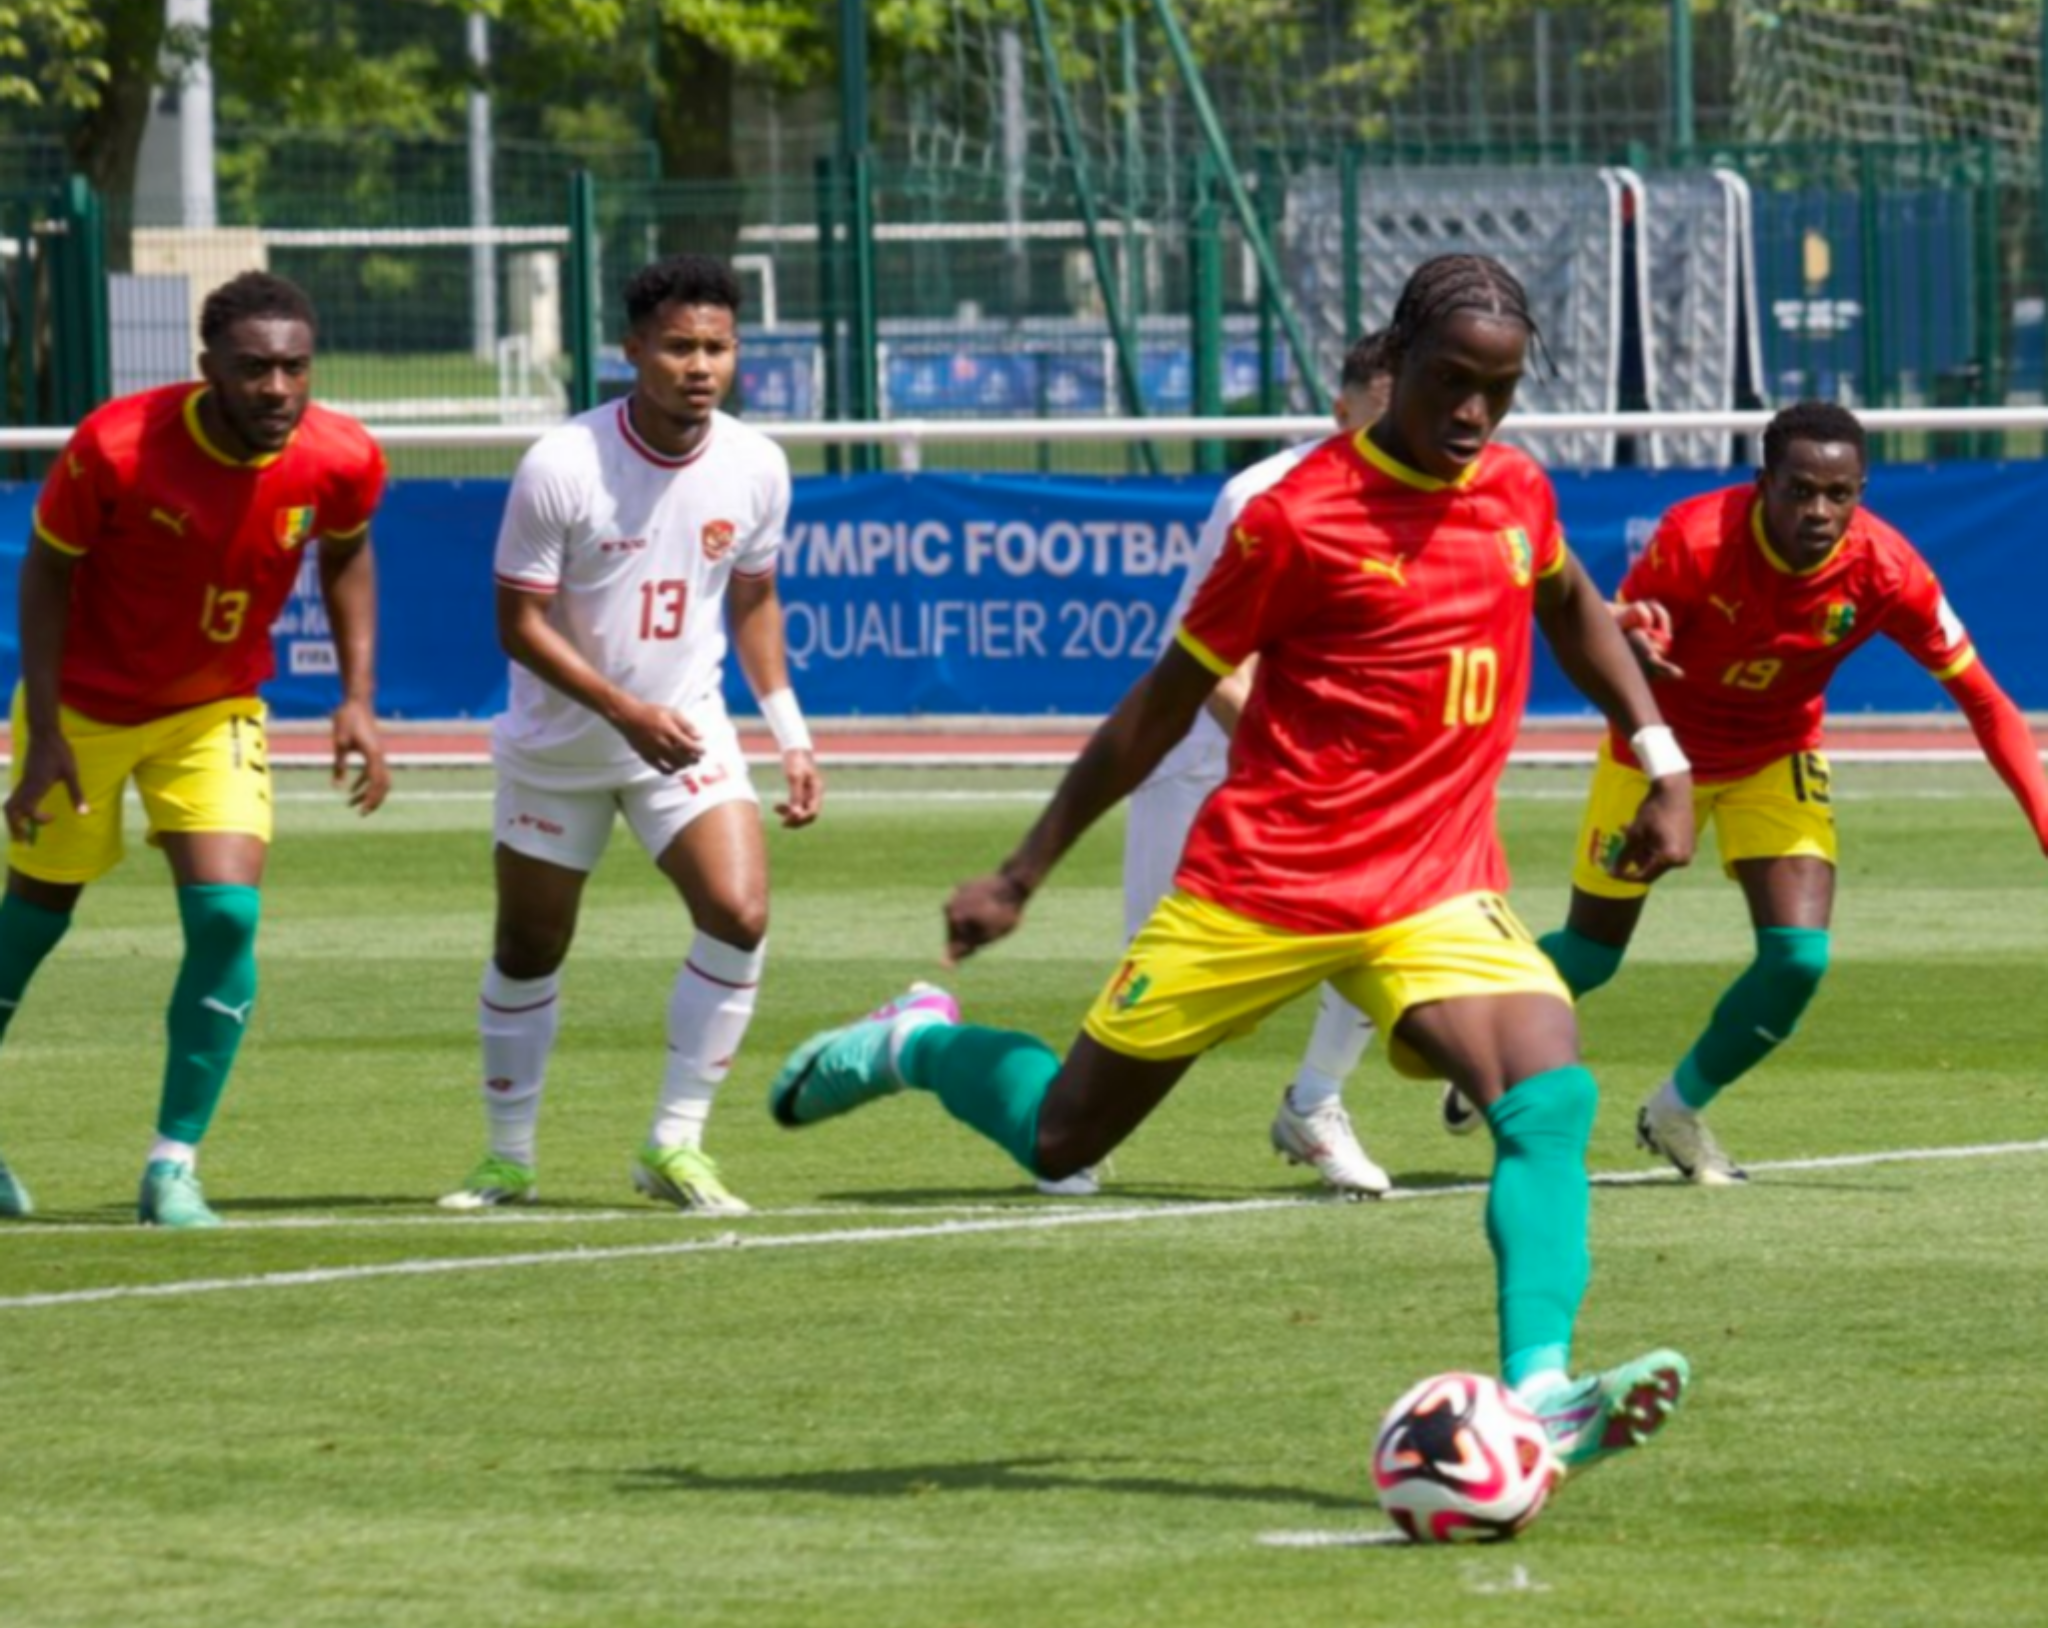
(1962, 663)
(1202, 653)
(56, 542)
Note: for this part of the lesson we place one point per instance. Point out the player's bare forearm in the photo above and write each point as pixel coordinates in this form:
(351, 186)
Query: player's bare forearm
(1592, 650)
(47, 759)
(348, 588)
(753, 611)
(1151, 719)
(659, 735)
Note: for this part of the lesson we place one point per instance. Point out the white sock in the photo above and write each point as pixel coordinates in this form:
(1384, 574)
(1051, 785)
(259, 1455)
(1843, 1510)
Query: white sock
(517, 1019)
(708, 1013)
(1336, 1044)
(1534, 1385)
(1666, 1100)
(183, 1153)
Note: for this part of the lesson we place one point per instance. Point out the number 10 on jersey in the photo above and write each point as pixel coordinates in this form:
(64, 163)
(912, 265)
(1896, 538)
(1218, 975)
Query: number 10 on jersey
(1474, 687)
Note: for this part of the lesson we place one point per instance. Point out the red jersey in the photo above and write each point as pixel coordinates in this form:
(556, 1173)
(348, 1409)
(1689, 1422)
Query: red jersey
(186, 555)
(1391, 615)
(1759, 641)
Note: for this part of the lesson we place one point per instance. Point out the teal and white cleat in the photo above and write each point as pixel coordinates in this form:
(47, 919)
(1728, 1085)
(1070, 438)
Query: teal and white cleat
(14, 1200)
(170, 1197)
(687, 1178)
(494, 1182)
(839, 1070)
(1589, 1419)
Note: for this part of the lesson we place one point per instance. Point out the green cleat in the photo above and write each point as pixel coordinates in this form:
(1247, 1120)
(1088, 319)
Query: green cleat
(14, 1200)
(170, 1197)
(687, 1178)
(1589, 1419)
(495, 1181)
(842, 1069)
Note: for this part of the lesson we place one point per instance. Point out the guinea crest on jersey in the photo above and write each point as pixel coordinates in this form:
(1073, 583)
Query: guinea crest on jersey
(635, 550)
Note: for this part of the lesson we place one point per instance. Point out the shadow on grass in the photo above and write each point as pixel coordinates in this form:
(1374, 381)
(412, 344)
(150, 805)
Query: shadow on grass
(996, 1475)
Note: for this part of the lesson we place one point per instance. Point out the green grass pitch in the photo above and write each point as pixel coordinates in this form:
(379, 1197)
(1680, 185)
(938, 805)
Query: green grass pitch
(896, 1398)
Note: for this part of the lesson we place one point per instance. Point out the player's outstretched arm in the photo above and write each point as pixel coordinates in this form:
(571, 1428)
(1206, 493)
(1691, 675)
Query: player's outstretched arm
(348, 588)
(1147, 723)
(753, 609)
(1646, 624)
(1594, 653)
(661, 736)
(2002, 732)
(44, 610)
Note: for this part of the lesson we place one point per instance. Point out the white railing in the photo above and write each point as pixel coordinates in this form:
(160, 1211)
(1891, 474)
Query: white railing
(907, 437)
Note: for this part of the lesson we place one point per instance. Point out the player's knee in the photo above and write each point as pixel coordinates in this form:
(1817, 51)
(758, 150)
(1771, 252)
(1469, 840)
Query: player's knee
(742, 923)
(220, 922)
(1791, 962)
(525, 951)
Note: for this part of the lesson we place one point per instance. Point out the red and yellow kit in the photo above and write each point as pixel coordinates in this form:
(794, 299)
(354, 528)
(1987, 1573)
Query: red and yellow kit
(1391, 614)
(186, 555)
(1758, 641)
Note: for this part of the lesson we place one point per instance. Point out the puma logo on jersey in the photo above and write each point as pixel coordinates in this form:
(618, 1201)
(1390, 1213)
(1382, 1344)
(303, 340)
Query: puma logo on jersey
(239, 1013)
(1729, 608)
(1247, 542)
(173, 518)
(1393, 570)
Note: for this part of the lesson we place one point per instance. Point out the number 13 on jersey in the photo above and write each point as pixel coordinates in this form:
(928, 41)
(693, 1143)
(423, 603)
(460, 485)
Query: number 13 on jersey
(661, 608)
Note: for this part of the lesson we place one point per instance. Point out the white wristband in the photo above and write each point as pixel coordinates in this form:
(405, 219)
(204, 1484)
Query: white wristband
(785, 720)
(1658, 752)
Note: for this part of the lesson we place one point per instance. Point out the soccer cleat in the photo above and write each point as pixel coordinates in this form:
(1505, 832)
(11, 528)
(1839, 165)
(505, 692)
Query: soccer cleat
(838, 1070)
(1589, 1419)
(170, 1197)
(14, 1199)
(1459, 1116)
(1323, 1137)
(493, 1182)
(1083, 1183)
(1680, 1135)
(687, 1178)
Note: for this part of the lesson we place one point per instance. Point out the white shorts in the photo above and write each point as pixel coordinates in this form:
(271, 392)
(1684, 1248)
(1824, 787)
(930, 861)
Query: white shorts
(571, 828)
(1158, 817)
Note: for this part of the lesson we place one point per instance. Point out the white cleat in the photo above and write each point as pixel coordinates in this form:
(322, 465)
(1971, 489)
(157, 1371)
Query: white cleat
(1083, 1183)
(1323, 1138)
(1675, 1132)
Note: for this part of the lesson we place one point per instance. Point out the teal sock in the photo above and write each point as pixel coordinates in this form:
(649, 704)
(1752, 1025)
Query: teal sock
(991, 1080)
(1583, 963)
(1757, 1014)
(209, 1004)
(1536, 1216)
(28, 933)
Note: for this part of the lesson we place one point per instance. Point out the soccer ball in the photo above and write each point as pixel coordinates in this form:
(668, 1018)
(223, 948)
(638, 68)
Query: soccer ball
(1461, 1459)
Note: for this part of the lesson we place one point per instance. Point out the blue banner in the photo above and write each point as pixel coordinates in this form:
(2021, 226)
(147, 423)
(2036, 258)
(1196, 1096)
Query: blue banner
(1020, 595)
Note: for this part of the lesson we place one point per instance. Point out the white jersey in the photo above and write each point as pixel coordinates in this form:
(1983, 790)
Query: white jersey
(637, 548)
(1204, 752)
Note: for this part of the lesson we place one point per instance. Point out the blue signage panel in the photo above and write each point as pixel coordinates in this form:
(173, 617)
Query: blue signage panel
(1022, 595)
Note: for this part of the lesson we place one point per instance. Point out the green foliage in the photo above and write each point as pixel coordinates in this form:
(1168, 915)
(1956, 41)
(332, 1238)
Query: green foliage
(50, 54)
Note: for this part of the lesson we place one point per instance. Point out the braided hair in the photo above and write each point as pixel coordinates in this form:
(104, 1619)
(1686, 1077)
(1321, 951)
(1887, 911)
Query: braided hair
(1456, 282)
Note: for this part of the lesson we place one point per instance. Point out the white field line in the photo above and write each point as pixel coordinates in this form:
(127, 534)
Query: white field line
(1036, 1221)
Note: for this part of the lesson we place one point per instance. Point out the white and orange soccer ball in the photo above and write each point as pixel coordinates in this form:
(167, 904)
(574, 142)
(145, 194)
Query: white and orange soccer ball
(1461, 1459)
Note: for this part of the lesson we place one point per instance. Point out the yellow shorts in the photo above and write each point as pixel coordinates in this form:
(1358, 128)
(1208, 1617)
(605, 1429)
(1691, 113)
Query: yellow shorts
(207, 769)
(1782, 811)
(1197, 974)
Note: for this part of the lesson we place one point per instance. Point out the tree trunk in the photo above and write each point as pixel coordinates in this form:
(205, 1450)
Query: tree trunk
(105, 145)
(693, 129)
